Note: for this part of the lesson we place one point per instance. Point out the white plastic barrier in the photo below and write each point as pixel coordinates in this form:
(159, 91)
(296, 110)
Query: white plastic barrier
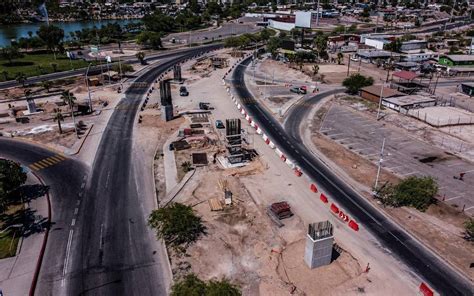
(252, 124)
(272, 145)
(278, 152)
(247, 117)
(290, 164)
(259, 131)
(242, 111)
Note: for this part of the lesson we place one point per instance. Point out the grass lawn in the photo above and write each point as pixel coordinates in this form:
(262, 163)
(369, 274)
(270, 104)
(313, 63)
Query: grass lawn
(10, 238)
(37, 64)
(8, 243)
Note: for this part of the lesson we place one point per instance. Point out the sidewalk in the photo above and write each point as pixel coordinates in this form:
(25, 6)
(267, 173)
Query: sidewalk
(16, 273)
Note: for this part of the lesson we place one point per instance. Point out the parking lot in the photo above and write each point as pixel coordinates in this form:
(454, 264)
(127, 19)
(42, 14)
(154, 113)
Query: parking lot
(403, 154)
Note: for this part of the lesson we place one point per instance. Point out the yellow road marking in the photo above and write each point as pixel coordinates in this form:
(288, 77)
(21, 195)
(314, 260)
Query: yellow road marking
(41, 166)
(55, 159)
(47, 161)
(34, 167)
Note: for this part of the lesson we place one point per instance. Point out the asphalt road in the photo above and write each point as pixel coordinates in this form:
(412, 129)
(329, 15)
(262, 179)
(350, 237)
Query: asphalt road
(65, 179)
(114, 252)
(93, 70)
(436, 272)
(224, 31)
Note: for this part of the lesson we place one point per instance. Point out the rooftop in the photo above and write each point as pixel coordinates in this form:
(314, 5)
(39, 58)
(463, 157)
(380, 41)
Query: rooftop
(409, 100)
(387, 92)
(406, 75)
(460, 57)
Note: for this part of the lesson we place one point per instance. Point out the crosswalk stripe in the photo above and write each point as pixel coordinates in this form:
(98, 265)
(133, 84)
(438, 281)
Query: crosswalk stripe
(56, 158)
(41, 166)
(60, 156)
(34, 167)
(46, 161)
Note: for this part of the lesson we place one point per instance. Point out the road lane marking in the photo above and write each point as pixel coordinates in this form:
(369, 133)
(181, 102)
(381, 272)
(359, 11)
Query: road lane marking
(34, 167)
(73, 222)
(451, 198)
(76, 210)
(68, 252)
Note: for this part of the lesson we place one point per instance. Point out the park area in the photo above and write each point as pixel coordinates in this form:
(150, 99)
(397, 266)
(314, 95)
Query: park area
(37, 64)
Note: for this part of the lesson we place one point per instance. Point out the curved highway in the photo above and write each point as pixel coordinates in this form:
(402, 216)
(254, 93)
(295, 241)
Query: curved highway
(65, 179)
(436, 272)
(114, 251)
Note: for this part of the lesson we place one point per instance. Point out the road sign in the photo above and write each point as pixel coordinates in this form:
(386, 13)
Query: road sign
(108, 59)
(94, 49)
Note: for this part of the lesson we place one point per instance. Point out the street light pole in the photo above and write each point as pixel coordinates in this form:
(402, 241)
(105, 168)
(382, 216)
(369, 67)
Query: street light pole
(379, 166)
(71, 105)
(88, 88)
(380, 100)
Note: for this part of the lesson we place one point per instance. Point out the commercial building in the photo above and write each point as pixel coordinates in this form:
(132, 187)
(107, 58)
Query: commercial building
(468, 88)
(413, 46)
(456, 60)
(372, 93)
(404, 103)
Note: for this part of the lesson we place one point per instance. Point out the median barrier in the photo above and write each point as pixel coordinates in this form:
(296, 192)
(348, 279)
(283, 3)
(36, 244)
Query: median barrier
(323, 198)
(334, 208)
(425, 290)
(354, 225)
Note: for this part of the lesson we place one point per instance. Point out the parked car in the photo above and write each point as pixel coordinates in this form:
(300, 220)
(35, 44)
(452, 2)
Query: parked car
(205, 106)
(299, 89)
(219, 124)
(183, 91)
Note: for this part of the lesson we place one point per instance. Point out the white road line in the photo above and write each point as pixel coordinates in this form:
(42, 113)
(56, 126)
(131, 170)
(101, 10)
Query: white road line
(76, 210)
(73, 222)
(467, 209)
(81, 194)
(66, 259)
(83, 185)
(101, 234)
(407, 174)
(78, 202)
(451, 198)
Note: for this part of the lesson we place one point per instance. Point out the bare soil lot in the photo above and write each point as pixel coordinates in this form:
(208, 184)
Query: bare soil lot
(440, 227)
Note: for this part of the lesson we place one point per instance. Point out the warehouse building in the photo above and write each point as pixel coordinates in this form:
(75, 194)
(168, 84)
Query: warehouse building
(456, 60)
(404, 103)
(372, 93)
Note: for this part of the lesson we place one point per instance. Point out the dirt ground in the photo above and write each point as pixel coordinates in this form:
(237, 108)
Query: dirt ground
(253, 252)
(440, 227)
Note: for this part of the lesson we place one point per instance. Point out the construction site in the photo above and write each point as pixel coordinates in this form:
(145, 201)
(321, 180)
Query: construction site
(266, 238)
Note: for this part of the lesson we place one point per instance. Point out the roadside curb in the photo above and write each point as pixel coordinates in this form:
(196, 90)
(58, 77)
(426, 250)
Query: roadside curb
(82, 142)
(43, 246)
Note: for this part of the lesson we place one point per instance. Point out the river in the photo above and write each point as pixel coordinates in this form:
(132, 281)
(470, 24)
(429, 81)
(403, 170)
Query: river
(9, 32)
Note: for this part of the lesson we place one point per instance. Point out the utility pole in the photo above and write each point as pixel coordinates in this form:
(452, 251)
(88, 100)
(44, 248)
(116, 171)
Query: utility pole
(379, 167)
(348, 63)
(120, 69)
(71, 105)
(88, 88)
(380, 100)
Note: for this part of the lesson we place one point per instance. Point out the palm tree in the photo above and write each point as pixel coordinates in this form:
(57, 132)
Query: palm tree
(141, 57)
(55, 67)
(315, 70)
(21, 78)
(339, 58)
(69, 98)
(58, 116)
(5, 75)
(30, 34)
(46, 85)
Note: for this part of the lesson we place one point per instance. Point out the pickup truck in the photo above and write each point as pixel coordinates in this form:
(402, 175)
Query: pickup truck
(299, 89)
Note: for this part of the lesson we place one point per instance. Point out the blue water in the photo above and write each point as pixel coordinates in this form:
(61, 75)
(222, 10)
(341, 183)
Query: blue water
(9, 32)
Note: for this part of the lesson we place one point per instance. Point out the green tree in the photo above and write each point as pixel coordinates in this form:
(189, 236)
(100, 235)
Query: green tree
(10, 53)
(54, 66)
(21, 78)
(417, 192)
(191, 285)
(52, 37)
(177, 224)
(47, 85)
(5, 75)
(186, 166)
(222, 288)
(272, 45)
(58, 117)
(339, 58)
(356, 81)
(320, 45)
(68, 98)
(315, 70)
(151, 39)
(141, 57)
(125, 68)
(12, 176)
(394, 46)
(469, 229)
